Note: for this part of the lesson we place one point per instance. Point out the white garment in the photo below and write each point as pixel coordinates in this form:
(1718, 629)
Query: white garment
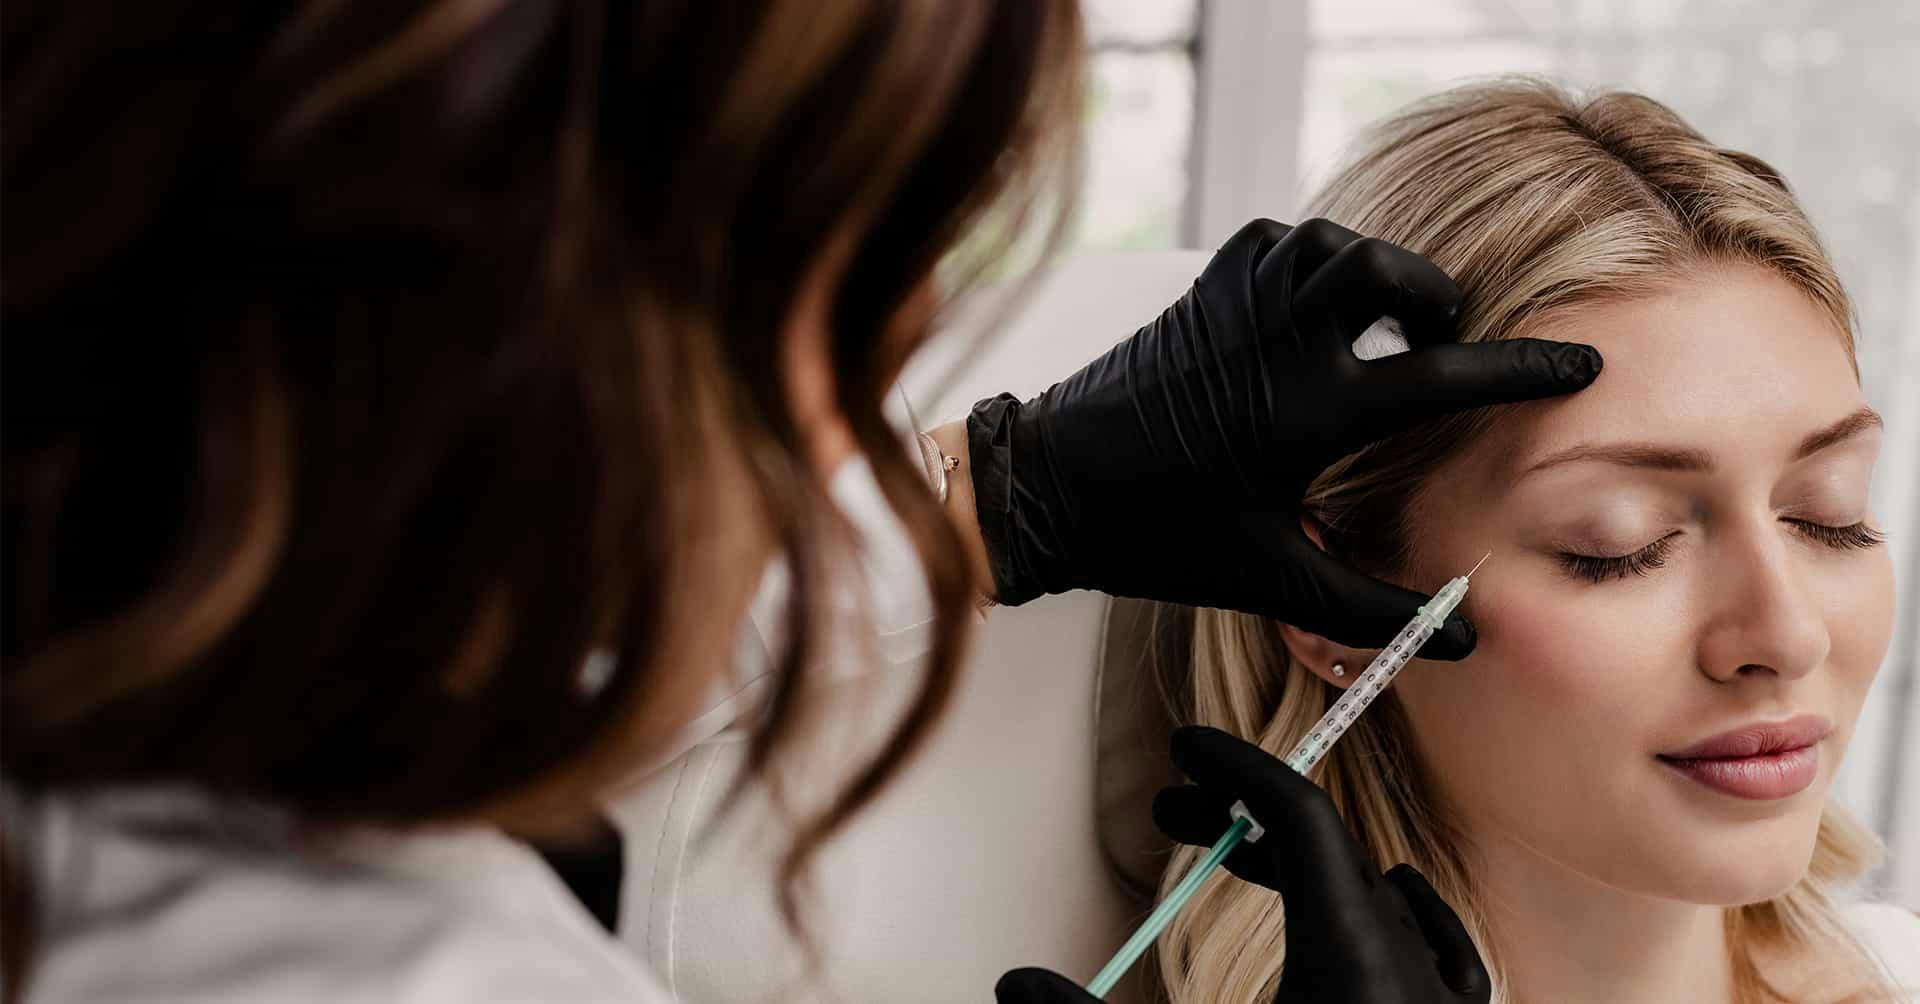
(164, 896)
(1892, 936)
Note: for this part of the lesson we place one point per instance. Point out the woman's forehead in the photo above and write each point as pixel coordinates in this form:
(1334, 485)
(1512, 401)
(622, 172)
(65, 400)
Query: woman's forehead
(1735, 362)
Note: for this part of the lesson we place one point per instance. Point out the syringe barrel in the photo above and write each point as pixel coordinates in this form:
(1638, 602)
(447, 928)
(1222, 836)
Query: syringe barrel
(1366, 687)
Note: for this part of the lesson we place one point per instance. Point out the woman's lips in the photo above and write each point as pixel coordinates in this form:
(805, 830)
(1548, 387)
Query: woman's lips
(1759, 761)
(1765, 776)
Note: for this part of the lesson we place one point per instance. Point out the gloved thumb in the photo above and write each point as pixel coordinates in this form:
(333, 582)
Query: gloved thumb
(1308, 853)
(1330, 599)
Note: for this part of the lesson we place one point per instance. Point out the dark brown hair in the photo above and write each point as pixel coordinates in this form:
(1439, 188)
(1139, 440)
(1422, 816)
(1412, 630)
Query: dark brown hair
(368, 365)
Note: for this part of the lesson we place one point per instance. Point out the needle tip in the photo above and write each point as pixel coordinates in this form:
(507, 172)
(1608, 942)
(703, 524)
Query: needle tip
(1482, 561)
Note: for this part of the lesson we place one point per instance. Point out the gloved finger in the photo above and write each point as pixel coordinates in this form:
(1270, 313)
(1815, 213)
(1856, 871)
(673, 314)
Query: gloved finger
(1039, 986)
(1324, 596)
(1190, 814)
(1243, 256)
(1309, 248)
(1370, 278)
(1245, 251)
(1285, 271)
(1400, 391)
(1257, 237)
(1312, 855)
(1457, 960)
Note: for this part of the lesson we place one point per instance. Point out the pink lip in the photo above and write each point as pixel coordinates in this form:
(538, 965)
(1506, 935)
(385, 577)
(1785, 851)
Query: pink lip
(1761, 761)
(1758, 738)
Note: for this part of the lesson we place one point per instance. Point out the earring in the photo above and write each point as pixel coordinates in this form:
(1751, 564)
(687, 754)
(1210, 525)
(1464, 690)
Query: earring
(1339, 669)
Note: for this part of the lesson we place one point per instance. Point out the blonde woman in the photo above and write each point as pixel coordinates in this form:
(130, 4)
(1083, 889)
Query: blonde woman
(1623, 790)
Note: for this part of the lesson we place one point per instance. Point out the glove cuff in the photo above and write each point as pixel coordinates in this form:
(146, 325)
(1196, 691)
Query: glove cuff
(990, 448)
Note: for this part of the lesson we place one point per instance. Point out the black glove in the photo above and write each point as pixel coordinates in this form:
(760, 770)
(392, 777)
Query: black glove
(1039, 986)
(1354, 936)
(1172, 467)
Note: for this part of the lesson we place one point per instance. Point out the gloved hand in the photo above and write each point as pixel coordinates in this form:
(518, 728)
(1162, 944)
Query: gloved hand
(1354, 936)
(1039, 986)
(1172, 467)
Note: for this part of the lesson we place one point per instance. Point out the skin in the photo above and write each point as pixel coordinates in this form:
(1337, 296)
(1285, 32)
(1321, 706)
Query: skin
(1605, 869)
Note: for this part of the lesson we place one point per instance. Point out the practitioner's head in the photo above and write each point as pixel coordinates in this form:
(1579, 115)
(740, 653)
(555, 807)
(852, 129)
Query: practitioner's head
(370, 367)
(1682, 549)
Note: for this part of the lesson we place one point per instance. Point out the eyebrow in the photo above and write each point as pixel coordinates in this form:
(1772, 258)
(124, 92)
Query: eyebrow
(1670, 458)
(1841, 431)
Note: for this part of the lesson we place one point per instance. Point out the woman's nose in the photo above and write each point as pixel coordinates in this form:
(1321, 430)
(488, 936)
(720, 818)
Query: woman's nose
(1766, 616)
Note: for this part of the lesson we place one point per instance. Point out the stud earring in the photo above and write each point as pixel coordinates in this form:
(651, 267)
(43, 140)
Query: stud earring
(1339, 669)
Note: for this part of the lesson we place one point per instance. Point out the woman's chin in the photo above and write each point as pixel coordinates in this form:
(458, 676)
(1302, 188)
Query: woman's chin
(1748, 863)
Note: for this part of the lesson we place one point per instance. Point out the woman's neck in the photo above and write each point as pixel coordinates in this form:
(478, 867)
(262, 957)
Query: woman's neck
(1564, 937)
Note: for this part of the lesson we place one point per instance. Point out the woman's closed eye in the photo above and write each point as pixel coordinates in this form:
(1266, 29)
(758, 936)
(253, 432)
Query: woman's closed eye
(1601, 568)
(1854, 536)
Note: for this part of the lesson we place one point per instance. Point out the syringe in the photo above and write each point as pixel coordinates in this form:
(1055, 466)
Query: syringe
(1306, 753)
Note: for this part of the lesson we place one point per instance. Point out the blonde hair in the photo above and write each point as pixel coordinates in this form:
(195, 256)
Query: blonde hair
(1535, 202)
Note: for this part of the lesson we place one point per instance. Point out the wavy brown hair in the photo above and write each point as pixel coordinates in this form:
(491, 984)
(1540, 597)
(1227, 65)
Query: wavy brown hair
(369, 365)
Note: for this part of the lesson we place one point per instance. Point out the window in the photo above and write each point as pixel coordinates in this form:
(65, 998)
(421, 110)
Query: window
(1139, 123)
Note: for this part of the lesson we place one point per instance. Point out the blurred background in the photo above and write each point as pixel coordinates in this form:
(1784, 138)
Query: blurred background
(1206, 113)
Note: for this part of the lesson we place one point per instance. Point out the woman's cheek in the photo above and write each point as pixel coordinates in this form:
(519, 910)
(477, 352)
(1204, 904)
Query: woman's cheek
(1547, 675)
(1555, 647)
(1859, 610)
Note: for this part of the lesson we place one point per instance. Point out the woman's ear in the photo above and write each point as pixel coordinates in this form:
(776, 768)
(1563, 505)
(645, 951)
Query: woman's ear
(1329, 660)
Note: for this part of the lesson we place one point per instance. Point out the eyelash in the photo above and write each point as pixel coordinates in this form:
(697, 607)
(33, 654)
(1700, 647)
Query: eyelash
(1597, 569)
(1858, 536)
